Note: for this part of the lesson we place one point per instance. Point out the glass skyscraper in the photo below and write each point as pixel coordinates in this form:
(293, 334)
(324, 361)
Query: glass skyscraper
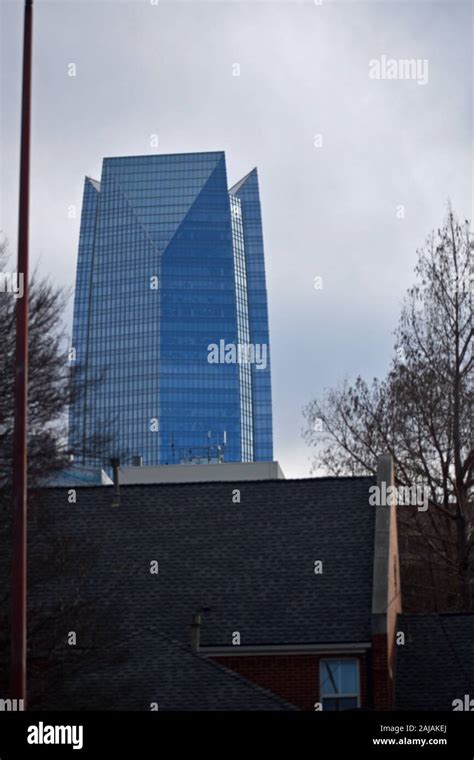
(170, 328)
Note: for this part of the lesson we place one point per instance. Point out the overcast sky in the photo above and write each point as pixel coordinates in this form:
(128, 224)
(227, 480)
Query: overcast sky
(329, 210)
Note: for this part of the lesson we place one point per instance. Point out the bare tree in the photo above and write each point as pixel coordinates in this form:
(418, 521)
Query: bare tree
(54, 383)
(422, 412)
(75, 626)
(61, 598)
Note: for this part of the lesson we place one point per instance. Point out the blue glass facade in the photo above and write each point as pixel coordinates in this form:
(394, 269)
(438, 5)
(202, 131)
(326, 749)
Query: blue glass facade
(170, 277)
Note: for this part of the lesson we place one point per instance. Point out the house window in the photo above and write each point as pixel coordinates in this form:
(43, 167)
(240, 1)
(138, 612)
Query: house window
(339, 684)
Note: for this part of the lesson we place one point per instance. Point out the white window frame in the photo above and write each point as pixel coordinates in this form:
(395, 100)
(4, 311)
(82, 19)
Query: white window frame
(352, 695)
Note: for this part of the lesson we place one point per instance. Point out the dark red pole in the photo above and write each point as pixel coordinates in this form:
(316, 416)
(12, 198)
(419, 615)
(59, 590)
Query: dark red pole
(18, 627)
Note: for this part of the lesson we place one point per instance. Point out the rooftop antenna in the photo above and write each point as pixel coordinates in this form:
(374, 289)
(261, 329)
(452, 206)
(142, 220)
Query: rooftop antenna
(115, 464)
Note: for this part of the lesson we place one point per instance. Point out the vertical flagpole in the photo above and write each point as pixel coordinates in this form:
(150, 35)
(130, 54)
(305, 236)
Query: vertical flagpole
(19, 543)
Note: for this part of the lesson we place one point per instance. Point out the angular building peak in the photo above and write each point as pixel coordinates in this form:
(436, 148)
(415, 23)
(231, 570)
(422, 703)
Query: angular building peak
(176, 180)
(238, 185)
(95, 184)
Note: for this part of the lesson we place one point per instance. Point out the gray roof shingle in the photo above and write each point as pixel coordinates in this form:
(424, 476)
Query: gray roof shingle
(163, 674)
(436, 664)
(250, 563)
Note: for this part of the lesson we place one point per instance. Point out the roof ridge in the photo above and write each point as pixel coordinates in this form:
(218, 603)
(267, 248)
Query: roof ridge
(317, 479)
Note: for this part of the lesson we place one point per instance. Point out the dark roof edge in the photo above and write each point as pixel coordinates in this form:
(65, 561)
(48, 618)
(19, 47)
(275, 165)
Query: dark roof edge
(325, 478)
(327, 647)
(167, 155)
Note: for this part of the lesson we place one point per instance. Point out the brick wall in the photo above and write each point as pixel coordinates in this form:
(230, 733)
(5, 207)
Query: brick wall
(295, 677)
(382, 685)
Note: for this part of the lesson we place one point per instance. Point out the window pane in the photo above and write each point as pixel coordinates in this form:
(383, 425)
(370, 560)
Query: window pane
(330, 677)
(339, 703)
(348, 677)
(347, 703)
(339, 677)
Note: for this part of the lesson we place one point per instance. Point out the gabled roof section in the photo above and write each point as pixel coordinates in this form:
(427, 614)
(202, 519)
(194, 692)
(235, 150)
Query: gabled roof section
(163, 671)
(240, 184)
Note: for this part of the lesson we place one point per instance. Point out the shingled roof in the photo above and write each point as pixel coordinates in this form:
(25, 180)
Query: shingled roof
(436, 664)
(162, 674)
(249, 564)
